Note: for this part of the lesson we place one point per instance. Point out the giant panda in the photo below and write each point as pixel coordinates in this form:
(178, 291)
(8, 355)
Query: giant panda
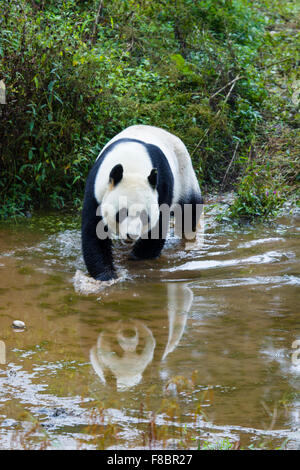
(139, 171)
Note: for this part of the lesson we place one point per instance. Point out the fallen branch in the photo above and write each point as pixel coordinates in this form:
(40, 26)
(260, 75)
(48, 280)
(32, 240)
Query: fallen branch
(279, 62)
(98, 15)
(225, 86)
(231, 88)
(231, 162)
(130, 46)
(233, 82)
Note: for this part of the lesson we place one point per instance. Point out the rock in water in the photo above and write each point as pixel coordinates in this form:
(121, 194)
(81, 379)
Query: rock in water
(18, 324)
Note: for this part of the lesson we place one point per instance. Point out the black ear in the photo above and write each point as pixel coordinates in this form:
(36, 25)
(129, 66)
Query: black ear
(152, 178)
(116, 174)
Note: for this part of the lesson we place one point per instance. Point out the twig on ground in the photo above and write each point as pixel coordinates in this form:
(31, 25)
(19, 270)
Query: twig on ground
(233, 82)
(98, 15)
(225, 86)
(231, 162)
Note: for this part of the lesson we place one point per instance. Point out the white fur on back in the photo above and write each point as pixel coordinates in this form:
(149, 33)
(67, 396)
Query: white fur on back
(135, 159)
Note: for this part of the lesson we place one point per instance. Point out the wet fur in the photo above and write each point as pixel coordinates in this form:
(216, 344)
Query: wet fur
(139, 149)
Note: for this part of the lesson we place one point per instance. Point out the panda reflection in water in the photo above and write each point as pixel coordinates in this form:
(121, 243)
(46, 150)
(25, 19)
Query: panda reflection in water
(139, 171)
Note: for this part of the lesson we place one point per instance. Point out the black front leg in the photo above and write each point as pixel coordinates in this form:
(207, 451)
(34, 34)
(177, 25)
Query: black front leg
(151, 247)
(147, 249)
(96, 248)
(97, 254)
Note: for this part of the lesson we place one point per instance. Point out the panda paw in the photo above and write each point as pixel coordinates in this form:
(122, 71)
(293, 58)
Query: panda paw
(106, 276)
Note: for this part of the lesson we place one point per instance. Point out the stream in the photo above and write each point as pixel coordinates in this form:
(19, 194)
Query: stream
(195, 349)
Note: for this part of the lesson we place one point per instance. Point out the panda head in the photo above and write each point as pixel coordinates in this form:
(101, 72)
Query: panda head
(130, 204)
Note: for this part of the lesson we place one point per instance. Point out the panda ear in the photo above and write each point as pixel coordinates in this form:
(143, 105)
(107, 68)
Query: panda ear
(152, 178)
(116, 175)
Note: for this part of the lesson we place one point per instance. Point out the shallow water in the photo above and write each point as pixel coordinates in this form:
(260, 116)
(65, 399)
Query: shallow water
(192, 349)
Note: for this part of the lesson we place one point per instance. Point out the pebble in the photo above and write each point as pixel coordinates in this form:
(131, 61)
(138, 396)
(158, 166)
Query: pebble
(18, 324)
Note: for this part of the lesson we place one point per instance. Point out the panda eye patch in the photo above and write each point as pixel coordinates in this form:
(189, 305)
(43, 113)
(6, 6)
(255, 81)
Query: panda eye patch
(121, 215)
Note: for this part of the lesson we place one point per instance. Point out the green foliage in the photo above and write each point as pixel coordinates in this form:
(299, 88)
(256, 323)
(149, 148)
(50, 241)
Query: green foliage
(258, 195)
(274, 175)
(74, 78)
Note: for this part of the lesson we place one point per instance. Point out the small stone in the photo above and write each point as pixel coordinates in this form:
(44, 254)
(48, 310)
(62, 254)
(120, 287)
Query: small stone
(18, 324)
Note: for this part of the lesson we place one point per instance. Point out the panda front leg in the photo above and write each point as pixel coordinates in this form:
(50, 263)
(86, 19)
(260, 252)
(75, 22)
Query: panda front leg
(147, 249)
(97, 251)
(151, 246)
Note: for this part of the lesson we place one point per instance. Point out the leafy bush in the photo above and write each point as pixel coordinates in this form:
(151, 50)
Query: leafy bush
(258, 195)
(75, 75)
